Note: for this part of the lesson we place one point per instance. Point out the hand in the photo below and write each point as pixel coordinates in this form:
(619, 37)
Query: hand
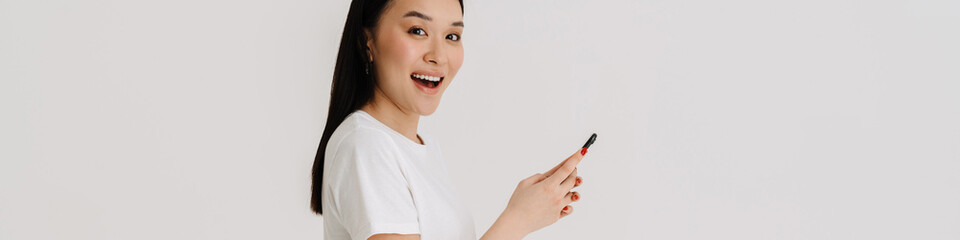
(542, 199)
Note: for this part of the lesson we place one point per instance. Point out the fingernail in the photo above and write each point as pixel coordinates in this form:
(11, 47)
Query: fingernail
(576, 197)
(579, 181)
(583, 151)
(565, 208)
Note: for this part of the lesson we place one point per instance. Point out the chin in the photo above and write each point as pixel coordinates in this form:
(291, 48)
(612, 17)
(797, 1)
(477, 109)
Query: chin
(427, 108)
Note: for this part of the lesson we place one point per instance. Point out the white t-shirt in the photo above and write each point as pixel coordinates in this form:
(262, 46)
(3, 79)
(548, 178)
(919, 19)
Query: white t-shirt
(375, 180)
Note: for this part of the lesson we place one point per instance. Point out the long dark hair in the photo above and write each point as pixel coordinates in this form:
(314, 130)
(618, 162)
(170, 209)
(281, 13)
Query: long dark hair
(353, 81)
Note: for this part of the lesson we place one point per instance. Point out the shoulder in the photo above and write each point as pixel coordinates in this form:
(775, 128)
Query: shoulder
(357, 141)
(357, 131)
(363, 139)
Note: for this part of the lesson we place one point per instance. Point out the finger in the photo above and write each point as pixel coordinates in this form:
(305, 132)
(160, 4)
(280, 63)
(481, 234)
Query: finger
(568, 183)
(578, 182)
(568, 166)
(571, 197)
(554, 169)
(566, 211)
(533, 179)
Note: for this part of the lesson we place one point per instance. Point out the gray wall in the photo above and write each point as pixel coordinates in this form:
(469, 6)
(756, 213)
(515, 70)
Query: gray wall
(717, 119)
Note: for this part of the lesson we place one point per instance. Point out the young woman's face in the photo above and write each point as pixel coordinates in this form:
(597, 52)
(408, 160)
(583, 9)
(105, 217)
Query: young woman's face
(416, 51)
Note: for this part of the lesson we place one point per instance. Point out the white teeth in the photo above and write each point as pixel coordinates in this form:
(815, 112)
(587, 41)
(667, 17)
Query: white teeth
(428, 78)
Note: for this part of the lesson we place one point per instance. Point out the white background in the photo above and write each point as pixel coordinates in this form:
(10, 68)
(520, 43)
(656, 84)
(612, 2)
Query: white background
(733, 119)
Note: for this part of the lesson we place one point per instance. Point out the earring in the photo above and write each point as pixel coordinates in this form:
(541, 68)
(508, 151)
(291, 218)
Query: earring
(366, 67)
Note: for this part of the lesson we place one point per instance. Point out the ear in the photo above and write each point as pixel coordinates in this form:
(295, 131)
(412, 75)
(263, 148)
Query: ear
(368, 44)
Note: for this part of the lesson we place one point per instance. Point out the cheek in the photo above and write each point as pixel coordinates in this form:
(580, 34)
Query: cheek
(401, 53)
(456, 59)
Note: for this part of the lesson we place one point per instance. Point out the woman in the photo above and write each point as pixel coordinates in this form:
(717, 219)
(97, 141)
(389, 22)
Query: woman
(374, 176)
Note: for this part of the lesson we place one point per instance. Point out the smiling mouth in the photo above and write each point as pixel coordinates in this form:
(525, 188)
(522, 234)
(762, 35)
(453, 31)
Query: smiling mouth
(426, 81)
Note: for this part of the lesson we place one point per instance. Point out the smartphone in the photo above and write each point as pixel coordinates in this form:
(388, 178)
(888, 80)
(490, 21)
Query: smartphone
(590, 141)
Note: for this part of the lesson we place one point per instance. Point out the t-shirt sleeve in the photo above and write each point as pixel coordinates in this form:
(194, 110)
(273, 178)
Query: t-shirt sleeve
(373, 195)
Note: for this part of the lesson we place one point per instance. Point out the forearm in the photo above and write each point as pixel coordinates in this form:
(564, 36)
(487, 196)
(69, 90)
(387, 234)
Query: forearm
(504, 229)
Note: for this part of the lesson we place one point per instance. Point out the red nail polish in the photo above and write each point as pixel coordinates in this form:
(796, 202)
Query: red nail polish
(565, 208)
(578, 181)
(583, 151)
(576, 197)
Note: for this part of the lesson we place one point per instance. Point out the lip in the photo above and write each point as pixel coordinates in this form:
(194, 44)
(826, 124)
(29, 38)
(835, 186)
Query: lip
(431, 73)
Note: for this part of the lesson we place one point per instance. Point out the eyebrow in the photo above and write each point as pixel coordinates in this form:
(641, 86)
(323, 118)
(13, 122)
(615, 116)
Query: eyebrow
(428, 18)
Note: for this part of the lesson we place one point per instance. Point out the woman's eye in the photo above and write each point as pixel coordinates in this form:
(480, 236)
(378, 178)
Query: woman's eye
(455, 37)
(417, 31)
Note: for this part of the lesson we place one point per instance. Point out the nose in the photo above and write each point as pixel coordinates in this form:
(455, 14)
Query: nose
(435, 54)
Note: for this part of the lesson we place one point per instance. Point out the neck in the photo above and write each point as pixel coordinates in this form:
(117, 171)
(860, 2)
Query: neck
(390, 114)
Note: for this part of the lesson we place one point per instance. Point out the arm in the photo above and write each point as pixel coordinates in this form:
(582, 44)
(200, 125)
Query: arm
(535, 204)
(502, 230)
(499, 231)
(395, 237)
